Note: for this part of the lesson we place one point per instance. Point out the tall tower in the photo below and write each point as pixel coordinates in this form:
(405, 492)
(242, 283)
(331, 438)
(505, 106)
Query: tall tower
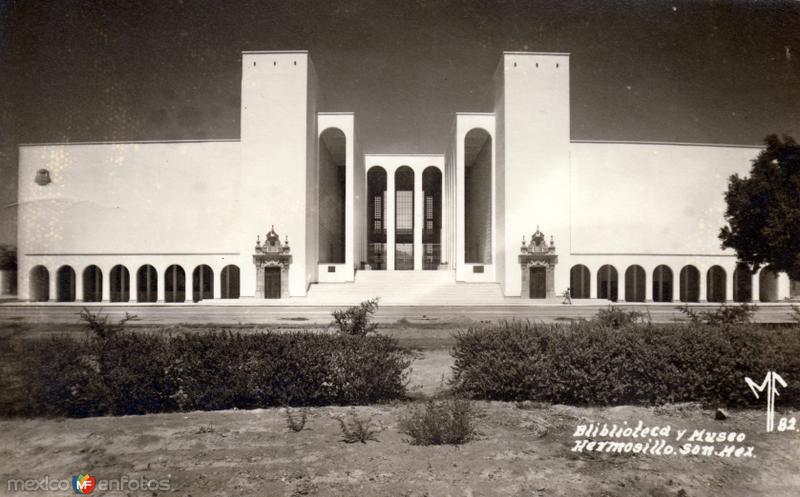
(533, 137)
(278, 173)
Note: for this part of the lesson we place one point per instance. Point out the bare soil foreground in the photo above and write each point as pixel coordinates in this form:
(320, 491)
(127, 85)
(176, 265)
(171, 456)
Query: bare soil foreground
(522, 449)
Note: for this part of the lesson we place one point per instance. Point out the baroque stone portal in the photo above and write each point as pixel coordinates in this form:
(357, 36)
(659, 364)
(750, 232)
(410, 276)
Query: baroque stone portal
(538, 261)
(272, 261)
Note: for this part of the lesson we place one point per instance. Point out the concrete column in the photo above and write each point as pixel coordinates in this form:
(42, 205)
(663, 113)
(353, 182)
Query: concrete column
(648, 284)
(161, 284)
(784, 286)
(703, 283)
(52, 297)
(593, 279)
(622, 290)
(676, 277)
(756, 287)
(419, 197)
(390, 219)
(189, 284)
(79, 285)
(106, 285)
(443, 257)
(133, 286)
(729, 284)
(218, 281)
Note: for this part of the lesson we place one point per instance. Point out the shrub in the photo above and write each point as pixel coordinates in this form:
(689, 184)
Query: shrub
(587, 364)
(356, 320)
(447, 422)
(357, 429)
(294, 422)
(99, 325)
(722, 315)
(615, 317)
(135, 373)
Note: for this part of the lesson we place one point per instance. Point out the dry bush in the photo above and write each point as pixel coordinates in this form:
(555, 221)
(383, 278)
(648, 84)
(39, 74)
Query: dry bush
(446, 422)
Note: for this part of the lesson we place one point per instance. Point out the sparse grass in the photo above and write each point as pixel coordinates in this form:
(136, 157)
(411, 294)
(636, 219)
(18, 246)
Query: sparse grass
(446, 422)
(357, 429)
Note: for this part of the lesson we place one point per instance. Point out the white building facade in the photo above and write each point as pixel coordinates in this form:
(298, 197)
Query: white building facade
(295, 210)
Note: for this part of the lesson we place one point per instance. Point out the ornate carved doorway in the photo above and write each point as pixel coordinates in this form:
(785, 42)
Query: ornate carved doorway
(538, 282)
(538, 261)
(272, 262)
(272, 282)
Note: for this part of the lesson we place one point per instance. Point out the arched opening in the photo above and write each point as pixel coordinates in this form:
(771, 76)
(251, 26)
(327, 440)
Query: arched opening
(662, 284)
(767, 286)
(120, 280)
(689, 284)
(432, 218)
(404, 218)
(332, 185)
(39, 284)
(715, 284)
(376, 217)
(478, 197)
(92, 284)
(146, 284)
(174, 284)
(635, 290)
(230, 282)
(65, 284)
(742, 283)
(579, 281)
(202, 283)
(607, 283)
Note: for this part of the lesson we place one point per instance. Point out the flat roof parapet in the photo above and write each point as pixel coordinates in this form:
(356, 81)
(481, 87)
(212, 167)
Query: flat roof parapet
(560, 54)
(274, 51)
(123, 142)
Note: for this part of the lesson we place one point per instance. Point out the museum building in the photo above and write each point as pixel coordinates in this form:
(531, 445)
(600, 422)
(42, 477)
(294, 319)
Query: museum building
(513, 210)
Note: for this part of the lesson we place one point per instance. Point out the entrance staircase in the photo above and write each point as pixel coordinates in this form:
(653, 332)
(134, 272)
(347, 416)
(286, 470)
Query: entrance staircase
(406, 288)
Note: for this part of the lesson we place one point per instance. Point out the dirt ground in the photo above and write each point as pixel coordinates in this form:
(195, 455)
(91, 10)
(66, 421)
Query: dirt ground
(522, 450)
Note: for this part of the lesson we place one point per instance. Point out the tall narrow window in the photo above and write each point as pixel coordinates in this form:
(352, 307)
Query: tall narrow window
(376, 227)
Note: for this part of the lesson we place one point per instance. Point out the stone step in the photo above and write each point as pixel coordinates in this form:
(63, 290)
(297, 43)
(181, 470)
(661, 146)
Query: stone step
(406, 288)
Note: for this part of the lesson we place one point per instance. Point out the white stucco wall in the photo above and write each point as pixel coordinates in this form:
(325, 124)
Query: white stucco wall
(535, 154)
(279, 160)
(123, 200)
(650, 198)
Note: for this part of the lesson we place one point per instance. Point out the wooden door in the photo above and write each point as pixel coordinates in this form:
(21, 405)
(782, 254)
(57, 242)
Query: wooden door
(538, 282)
(272, 282)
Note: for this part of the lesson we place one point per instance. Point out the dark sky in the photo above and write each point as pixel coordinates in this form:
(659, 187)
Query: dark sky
(723, 72)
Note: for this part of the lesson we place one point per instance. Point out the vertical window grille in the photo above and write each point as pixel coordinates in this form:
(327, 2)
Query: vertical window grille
(405, 211)
(377, 218)
(429, 212)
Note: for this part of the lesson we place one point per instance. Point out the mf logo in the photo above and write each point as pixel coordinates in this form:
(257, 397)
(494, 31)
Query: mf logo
(768, 385)
(83, 484)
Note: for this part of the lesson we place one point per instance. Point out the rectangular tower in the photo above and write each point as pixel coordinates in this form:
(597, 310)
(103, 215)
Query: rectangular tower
(279, 173)
(533, 133)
